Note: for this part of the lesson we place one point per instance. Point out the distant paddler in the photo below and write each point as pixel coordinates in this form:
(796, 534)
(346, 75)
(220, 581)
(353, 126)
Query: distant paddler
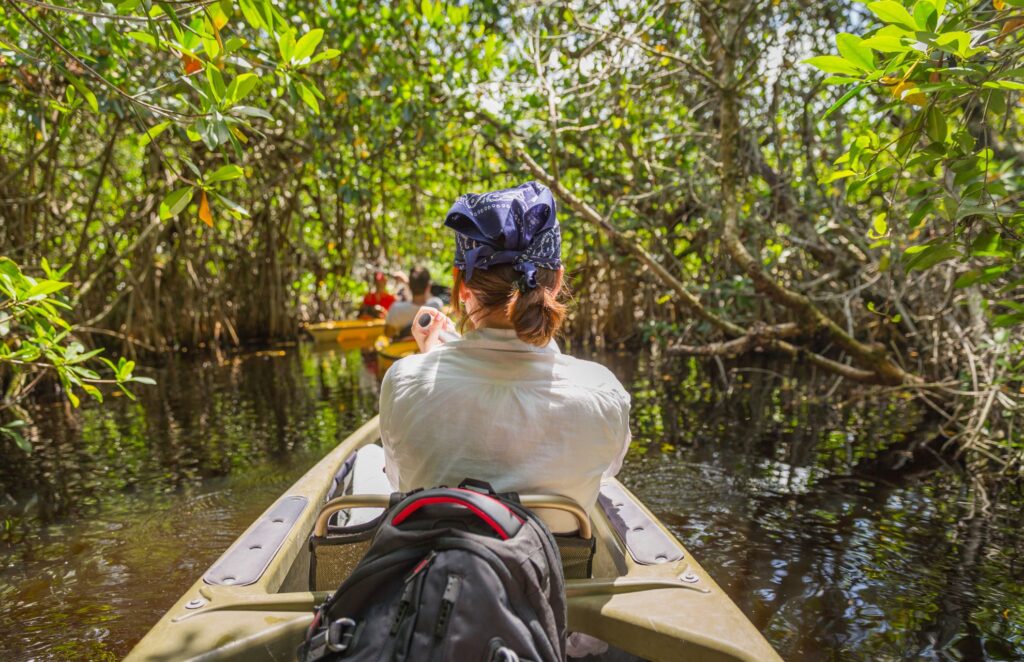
(402, 313)
(377, 302)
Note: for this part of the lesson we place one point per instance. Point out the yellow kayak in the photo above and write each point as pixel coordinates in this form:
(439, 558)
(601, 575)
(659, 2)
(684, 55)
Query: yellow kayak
(352, 334)
(389, 351)
(643, 592)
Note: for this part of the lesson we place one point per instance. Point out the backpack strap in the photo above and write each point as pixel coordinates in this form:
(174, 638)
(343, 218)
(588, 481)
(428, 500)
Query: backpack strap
(499, 517)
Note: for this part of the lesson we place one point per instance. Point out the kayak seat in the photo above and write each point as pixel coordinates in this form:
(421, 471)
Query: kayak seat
(333, 555)
(337, 548)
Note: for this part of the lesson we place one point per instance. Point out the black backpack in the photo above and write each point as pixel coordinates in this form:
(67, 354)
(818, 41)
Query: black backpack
(451, 574)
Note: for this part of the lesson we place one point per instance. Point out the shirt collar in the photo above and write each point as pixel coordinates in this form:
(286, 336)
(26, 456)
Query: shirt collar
(503, 340)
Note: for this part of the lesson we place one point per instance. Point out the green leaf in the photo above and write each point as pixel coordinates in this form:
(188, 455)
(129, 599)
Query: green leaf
(252, 16)
(935, 125)
(307, 44)
(224, 173)
(286, 45)
(1003, 85)
(153, 132)
(833, 64)
(879, 225)
(929, 255)
(90, 98)
(843, 100)
(44, 287)
(93, 392)
(960, 40)
(19, 440)
(853, 50)
(886, 44)
(241, 86)
(250, 111)
(980, 276)
(237, 209)
(1007, 320)
(175, 202)
(216, 80)
(308, 96)
(836, 176)
(328, 54)
(894, 13)
(143, 380)
(143, 37)
(925, 15)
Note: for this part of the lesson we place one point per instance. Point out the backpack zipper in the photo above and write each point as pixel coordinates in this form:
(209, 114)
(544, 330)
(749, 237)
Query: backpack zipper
(404, 628)
(405, 602)
(451, 592)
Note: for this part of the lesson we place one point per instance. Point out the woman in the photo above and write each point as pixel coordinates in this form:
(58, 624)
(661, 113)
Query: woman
(502, 403)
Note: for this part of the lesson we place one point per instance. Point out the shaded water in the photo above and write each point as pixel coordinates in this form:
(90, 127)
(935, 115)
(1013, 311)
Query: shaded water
(122, 507)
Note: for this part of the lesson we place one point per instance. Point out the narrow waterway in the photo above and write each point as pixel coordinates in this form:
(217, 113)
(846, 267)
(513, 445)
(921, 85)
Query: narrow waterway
(121, 507)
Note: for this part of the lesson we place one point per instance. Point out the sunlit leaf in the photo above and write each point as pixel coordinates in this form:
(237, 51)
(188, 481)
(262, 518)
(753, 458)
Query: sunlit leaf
(308, 96)
(328, 54)
(853, 50)
(152, 132)
(175, 202)
(250, 111)
(886, 44)
(240, 87)
(893, 12)
(833, 64)
(307, 44)
(86, 93)
(225, 173)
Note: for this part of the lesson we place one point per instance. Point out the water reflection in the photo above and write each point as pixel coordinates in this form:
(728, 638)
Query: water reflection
(121, 507)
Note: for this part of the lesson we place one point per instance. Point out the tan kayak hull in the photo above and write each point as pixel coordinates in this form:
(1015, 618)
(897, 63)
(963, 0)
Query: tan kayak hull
(388, 352)
(351, 334)
(646, 610)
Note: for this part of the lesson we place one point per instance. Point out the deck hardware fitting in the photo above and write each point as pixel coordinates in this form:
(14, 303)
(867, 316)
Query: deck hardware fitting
(690, 577)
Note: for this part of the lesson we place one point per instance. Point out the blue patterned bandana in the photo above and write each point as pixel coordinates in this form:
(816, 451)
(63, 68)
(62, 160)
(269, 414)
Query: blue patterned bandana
(514, 226)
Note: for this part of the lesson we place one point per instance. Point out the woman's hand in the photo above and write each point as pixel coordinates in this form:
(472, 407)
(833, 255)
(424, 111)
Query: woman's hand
(428, 337)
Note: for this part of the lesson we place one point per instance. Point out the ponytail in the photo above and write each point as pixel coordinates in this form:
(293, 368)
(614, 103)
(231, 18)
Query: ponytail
(536, 315)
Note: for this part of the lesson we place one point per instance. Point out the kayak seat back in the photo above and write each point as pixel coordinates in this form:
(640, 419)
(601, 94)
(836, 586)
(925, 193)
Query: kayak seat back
(332, 557)
(577, 555)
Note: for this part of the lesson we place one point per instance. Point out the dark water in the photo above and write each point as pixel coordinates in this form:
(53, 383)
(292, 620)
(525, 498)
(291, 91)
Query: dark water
(122, 507)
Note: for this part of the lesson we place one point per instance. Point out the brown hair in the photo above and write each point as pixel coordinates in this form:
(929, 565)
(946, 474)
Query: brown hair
(419, 280)
(536, 314)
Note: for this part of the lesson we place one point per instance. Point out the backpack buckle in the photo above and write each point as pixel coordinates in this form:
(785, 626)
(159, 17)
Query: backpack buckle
(340, 634)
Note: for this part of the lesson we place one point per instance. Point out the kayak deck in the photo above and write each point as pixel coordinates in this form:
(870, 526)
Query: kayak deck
(647, 596)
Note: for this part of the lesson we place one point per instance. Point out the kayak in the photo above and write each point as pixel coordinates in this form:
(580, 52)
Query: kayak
(389, 351)
(354, 334)
(642, 591)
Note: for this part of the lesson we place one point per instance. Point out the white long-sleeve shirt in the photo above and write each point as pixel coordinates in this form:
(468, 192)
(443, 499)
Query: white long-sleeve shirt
(490, 406)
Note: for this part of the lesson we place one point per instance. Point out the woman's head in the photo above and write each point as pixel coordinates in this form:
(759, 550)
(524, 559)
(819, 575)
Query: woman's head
(494, 297)
(508, 258)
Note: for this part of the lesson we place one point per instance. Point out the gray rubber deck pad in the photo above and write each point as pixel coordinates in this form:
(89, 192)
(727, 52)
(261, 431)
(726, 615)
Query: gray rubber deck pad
(246, 561)
(644, 539)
